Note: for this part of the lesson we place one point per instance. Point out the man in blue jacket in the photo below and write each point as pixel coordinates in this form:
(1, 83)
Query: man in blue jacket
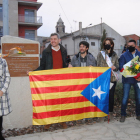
(128, 82)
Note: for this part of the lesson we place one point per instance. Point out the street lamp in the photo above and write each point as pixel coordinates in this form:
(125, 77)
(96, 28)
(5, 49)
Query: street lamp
(86, 31)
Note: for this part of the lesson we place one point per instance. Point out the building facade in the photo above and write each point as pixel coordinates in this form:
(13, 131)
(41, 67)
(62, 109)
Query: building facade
(23, 19)
(93, 36)
(134, 37)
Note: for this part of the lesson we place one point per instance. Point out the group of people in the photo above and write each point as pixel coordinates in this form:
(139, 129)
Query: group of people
(55, 57)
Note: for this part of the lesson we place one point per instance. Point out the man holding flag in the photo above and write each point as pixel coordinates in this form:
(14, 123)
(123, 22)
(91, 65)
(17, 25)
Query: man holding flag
(131, 53)
(83, 59)
(64, 95)
(54, 57)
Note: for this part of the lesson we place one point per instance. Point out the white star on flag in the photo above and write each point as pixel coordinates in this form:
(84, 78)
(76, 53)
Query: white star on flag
(98, 92)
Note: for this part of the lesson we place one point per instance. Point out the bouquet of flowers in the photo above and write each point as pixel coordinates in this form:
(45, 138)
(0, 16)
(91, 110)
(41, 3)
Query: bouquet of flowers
(132, 68)
(15, 52)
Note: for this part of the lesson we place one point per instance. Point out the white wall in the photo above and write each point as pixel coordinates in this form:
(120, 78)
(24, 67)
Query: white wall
(70, 44)
(94, 49)
(20, 96)
(73, 45)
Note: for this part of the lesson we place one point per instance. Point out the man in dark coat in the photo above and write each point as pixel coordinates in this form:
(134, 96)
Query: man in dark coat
(54, 57)
(130, 53)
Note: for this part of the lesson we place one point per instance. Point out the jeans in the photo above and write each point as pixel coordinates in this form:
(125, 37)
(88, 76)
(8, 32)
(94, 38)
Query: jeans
(111, 97)
(126, 89)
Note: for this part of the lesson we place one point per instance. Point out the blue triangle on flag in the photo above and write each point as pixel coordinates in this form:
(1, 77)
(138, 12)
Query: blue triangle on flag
(97, 92)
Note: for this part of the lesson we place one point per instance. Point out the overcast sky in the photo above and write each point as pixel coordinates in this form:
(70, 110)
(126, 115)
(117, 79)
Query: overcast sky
(122, 15)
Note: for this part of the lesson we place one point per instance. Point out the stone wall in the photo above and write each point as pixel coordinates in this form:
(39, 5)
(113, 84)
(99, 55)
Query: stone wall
(20, 95)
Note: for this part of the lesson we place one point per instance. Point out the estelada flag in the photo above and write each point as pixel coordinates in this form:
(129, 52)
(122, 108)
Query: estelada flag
(68, 94)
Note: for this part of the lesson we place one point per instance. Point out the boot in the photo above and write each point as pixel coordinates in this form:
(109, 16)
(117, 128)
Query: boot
(64, 125)
(122, 119)
(46, 127)
(138, 118)
(101, 119)
(79, 121)
(111, 117)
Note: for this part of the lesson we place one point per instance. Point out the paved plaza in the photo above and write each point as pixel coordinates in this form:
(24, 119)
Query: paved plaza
(129, 130)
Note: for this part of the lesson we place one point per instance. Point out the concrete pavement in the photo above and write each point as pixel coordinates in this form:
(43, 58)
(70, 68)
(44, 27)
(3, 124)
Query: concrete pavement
(129, 130)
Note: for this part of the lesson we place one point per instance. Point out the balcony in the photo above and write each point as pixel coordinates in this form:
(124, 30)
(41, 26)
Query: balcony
(30, 3)
(30, 21)
(30, 38)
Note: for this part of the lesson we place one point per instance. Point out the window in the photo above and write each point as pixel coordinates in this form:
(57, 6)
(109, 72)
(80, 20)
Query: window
(92, 43)
(29, 16)
(64, 30)
(138, 43)
(57, 30)
(1, 13)
(1, 31)
(30, 34)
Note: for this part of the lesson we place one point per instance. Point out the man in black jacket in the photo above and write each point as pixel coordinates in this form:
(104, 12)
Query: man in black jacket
(54, 49)
(54, 57)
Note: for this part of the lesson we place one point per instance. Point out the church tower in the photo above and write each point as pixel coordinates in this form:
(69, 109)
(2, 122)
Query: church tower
(60, 27)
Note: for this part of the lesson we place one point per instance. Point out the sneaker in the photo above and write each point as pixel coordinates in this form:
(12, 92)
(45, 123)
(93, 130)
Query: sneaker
(122, 119)
(138, 118)
(79, 121)
(101, 119)
(64, 125)
(46, 127)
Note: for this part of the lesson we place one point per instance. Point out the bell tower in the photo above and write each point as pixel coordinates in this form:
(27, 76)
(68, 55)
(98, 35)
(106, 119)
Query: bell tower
(60, 27)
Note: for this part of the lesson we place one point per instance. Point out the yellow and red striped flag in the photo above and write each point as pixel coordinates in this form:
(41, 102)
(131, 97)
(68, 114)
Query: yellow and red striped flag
(57, 94)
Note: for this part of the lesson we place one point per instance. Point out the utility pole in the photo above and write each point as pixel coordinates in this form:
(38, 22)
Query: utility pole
(101, 27)
(5, 17)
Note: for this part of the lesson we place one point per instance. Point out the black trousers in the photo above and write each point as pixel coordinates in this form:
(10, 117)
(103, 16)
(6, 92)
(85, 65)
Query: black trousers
(111, 97)
(1, 120)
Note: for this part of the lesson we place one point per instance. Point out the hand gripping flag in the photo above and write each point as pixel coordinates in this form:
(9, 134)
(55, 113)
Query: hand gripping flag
(68, 94)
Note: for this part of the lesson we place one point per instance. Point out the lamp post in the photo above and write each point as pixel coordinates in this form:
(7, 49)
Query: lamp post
(75, 24)
(86, 31)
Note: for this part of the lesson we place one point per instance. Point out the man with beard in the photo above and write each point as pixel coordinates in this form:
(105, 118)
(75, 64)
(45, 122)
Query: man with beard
(83, 59)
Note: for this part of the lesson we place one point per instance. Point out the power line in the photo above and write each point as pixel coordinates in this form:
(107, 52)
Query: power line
(64, 13)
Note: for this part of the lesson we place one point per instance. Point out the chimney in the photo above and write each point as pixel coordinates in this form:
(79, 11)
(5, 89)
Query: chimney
(80, 27)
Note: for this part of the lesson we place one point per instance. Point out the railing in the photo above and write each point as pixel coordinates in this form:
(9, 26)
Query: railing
(31, 38)
(29, 19)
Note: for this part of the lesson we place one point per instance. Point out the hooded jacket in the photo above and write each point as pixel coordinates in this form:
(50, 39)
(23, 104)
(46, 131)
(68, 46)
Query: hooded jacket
(76, 62)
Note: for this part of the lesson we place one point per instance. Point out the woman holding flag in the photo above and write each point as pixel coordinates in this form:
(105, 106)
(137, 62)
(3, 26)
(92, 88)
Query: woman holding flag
(108, 58)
